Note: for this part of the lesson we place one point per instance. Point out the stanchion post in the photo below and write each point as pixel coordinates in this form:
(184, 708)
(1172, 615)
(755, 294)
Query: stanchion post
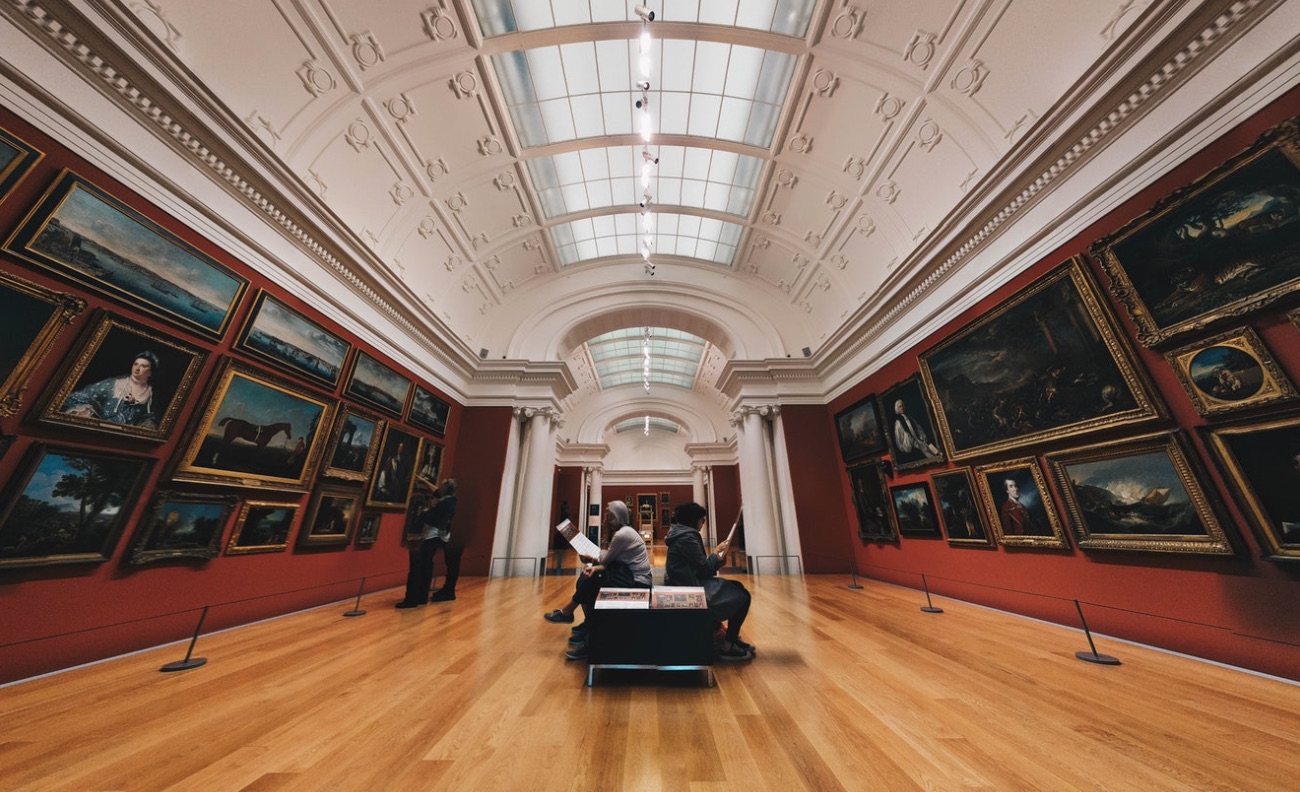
(1092, 656)
(929, 606)
(356, 609)
(189, 662)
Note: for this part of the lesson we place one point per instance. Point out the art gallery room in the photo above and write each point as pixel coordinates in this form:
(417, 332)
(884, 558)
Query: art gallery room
(973, 326)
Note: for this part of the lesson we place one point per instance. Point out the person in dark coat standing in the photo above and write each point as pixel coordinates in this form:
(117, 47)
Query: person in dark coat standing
(435, 522)
(688, 565)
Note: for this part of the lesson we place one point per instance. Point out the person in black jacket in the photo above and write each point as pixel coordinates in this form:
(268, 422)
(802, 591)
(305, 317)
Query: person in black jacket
(689, 565)
(434, 523)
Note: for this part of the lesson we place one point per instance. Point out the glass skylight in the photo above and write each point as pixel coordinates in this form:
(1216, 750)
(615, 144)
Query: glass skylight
(703, 88)
(638, 425)
(620, 235)
(597, 178)
(674, 357)
(783, 17)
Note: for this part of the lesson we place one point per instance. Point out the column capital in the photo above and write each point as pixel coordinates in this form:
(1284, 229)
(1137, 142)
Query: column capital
(527, 413)
(765, 411)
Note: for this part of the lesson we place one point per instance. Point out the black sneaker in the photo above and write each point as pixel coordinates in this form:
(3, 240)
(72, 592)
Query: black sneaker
(578, 652)
(442, 596)
(735, 655)
(403, 605)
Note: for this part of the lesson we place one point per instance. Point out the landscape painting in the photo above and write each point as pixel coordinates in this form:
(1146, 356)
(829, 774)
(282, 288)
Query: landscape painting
(1047, 364)
(959, 510)
(84, 234)
(285, 338)
(1225, 245)
(859, 430)
(331, 518)
(1139, 494)
(68, 506)
(256, 432)
(262, 527)
(871, 502)
(429, 412)
(182, 526)
(1262, 464)
(34, 318)
(16, 158)
(377, 385)
(914, 510)
(353, 445)
(1229, 372)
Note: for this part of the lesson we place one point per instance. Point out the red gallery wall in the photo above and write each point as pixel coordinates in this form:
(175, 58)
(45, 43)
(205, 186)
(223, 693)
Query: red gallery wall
(56, 616)
(1238, 610)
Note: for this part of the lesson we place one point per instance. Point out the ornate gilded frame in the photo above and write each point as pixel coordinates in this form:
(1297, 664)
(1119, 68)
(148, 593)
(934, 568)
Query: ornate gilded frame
(1194, 363)
(871, 502)
(331, 496)
(265, 400)
(17, 158)
(918, 494)
(1024, 470)
(395, 438)
(1260, 463)
(1168, 478)
(249, 511)
(1182, 253)
(64, 308)
(332, 466)
(113, 331)
(153, 544)
(915, 403)
(369, 381)
(261, 338)
(978, 378)
(368, 527)
(958, 501)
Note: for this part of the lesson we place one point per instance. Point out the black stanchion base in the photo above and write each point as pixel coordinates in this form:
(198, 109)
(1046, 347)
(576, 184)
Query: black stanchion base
(930, 609)
(184, 665)
(855, 587)
(1099, 659)
(355, 613)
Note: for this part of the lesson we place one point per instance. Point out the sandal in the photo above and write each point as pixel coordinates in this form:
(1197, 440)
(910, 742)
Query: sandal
(557, 617)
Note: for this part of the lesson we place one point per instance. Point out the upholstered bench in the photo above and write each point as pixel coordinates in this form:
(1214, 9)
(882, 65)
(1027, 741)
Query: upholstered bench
(656, 639)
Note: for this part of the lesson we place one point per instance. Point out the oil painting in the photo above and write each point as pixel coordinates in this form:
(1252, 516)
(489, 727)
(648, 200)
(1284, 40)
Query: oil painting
(871, 502)
(262, 527)
(390, 486)
(914, 510)
(377, 385)
(429, 412)
(182, 526)
(354, 444)
(1143, 493)
(287, 339)
(909, 428)
(1045, 365)
(1262, 464)
(1019, 506)
(1229, 372)
(34, 317)
(332, 517)
(959, 509)
(1224, 246)
(16, 158)
(859, 430)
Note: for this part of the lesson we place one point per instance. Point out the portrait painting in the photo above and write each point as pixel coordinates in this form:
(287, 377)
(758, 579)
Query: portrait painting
(1143, 493)
(909, 429)
(426, 472)
(390, 485)
(285, 338)
(332, 517)
(377, 385)
(368, 528)
(914, 510)
(256, 431)
(34, 318)
(262, 527)
(960, 513)
(124, 379)
(1229, 372)
(353, 445)
(1019, 506)
(84, 234)
(182, 526)
(1262, 464)
(871, 502)
(429, 412)
(859, 430)
(17, 157)
(1224, 246)
(1046, 364)
(68, 505)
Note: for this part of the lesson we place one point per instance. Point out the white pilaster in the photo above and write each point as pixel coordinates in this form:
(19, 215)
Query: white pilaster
(531, 535)
(508, 500)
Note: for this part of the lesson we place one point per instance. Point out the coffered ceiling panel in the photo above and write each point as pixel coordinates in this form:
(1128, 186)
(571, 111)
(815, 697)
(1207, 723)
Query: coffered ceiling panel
(447, 132)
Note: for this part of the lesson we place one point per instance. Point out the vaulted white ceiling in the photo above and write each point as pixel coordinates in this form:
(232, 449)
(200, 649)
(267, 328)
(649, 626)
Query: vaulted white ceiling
(835, 177)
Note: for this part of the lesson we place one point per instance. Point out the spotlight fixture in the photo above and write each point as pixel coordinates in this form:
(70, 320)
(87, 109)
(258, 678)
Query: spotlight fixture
(644, 85)
(645, 13)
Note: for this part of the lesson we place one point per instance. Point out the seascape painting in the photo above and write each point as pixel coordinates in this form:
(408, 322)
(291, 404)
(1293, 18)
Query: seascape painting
(68, 506)
(81, 232)
(1045, 365)
(289, 340)
(913, 510)
(429, 412)
(377, 385)
(256, 432)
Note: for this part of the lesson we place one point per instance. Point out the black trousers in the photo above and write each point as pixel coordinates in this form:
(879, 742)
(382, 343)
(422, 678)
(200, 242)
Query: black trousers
(419, 576)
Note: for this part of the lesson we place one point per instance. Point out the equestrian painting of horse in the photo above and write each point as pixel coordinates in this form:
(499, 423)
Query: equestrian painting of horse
(257, 431)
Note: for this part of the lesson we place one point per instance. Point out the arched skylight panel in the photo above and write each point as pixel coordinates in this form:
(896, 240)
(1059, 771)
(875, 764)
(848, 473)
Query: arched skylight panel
(783, 17)
(638, 425)
(584, 90)
(689, 236)
(597, 178)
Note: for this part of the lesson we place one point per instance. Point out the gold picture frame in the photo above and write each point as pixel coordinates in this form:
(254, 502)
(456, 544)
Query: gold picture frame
(1046, 364)
(1143, 493)
(1229, 372)
(332, 517)
(17, 158)
(262, 527)
(1223, 246)
(960, 508)
(94, 391)
(1261, 462)
(353, 445)
(1023, 516)
(34, 318)
(256, 431)
(182, 525)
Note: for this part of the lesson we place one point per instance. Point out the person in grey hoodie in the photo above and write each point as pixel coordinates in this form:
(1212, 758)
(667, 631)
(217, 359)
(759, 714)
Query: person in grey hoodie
(689, 565)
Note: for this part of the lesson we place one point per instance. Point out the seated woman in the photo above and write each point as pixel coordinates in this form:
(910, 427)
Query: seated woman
(688, 565)
(624, 564)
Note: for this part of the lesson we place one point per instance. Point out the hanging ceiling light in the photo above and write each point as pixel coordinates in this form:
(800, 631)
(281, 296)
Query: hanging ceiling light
(648, 161)
(647, 426)
(645, 354)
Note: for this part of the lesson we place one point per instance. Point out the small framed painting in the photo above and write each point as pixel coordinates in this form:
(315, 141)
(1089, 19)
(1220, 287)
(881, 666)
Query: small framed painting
(377, 385)
(429, 412)
(859, 430)
(1229, 372)
(871, 502)
(262, 527)
(182, 526)
(959, 509)
(285, 338)
(332, 517)
(909, 427)
(17, 157)
(368, 528)
(353, 445)
(914, 510)
(1019, 506)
